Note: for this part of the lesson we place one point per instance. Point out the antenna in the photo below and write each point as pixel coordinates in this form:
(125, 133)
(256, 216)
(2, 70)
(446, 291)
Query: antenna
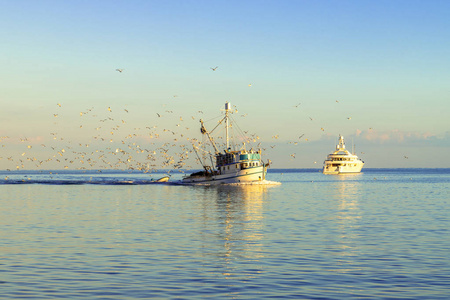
(227, 109)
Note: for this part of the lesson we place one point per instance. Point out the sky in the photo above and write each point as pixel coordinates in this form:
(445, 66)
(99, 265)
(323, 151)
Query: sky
(298, 74)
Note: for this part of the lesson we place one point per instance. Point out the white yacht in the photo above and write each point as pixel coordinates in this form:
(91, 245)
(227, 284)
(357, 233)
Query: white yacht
(342, 161)
(231, 165)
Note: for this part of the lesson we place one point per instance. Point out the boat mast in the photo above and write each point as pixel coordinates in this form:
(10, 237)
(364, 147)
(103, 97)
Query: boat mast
(227, 109)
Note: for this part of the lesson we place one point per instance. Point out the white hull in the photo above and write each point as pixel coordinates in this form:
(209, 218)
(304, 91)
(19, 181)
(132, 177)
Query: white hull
(342, 169)
(248, 175)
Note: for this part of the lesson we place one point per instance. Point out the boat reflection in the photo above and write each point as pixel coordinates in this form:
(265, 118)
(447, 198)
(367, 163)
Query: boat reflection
(348, 195)
(348, 220)
(237, 224)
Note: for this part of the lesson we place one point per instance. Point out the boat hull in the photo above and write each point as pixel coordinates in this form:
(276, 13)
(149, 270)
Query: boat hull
(333, 170)
(242, 176)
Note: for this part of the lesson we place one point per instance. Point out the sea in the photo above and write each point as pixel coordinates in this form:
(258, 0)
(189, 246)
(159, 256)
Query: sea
(380, 234)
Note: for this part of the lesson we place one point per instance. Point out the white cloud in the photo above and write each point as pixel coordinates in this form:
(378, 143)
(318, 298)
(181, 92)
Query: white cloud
(398, 136)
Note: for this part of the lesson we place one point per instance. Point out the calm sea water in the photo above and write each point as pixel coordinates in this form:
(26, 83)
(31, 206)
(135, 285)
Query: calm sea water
(383, 233)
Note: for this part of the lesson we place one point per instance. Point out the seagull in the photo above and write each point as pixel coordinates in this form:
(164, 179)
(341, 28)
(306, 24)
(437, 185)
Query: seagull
(214, 68)
(119, 70)
(297, 105)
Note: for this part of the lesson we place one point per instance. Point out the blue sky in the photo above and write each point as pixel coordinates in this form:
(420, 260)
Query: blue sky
(385, 62)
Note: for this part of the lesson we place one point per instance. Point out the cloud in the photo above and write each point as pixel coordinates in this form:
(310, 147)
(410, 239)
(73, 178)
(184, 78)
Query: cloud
(397, 136)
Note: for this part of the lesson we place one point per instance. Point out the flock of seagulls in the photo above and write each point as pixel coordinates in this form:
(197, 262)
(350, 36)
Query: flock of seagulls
(103, 143)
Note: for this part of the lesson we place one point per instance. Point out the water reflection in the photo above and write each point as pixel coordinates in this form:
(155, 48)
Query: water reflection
(238, 224)
(348, 218)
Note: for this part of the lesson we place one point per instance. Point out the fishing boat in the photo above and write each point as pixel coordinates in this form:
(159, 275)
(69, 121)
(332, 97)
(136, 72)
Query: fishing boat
(342, 161)
(234, 164)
